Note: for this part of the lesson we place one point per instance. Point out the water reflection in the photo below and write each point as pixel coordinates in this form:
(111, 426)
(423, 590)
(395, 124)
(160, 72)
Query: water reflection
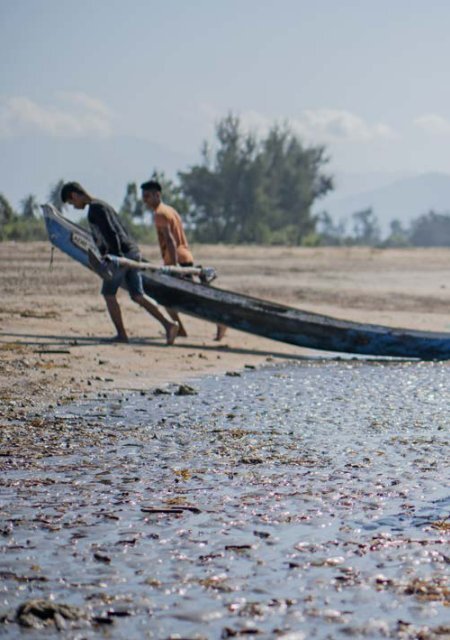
(309, 499)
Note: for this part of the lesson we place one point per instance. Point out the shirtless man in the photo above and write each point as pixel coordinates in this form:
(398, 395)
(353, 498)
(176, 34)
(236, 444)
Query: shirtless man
(111, 237)
(172, 240)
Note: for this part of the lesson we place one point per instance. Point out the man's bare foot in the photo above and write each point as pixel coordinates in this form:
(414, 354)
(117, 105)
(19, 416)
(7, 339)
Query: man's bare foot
(221, 330)
(182, 333)
(171, 332)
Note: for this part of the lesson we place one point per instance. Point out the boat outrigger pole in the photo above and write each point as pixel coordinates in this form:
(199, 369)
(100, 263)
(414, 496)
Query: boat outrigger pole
(205, 274)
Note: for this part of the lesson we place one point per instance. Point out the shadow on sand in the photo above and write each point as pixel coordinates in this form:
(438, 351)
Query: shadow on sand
(57, 343)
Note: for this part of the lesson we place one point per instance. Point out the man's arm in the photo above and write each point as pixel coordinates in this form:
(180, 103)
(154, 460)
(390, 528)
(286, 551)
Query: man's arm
(104, 228)
(171, 244)
(167, 242)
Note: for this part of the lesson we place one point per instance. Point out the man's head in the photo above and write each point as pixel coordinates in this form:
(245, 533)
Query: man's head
(74, 194)
(151, 193)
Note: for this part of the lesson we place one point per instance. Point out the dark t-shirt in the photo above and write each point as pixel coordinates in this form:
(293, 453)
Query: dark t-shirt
(109, 233)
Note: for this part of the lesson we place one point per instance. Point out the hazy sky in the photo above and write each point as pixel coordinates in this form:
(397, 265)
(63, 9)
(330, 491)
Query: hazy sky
(369, 79)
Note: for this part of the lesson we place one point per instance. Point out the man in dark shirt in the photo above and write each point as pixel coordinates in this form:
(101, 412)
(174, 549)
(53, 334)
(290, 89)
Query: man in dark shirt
(111, 237)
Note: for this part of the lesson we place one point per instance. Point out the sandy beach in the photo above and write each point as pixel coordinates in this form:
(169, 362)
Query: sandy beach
(53, 319)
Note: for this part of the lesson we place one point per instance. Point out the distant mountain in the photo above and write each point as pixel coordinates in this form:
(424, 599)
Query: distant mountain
(104, 166)
(403, 200)
(349, 183)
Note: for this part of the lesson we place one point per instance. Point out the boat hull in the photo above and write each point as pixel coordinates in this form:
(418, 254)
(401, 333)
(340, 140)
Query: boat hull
(267, 319)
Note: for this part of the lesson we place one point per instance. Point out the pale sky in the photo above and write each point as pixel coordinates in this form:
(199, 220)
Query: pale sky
(368, 79)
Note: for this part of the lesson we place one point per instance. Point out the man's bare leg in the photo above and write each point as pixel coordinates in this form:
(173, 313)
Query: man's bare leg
(182, 333)
(220, 332)
(116, 316)
(171, 328)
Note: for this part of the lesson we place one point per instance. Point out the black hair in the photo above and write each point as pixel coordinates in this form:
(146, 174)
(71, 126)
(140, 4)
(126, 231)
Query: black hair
(72, 187)
(151, 185)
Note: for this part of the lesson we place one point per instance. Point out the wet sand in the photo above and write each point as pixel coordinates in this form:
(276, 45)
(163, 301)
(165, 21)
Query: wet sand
(290, 502)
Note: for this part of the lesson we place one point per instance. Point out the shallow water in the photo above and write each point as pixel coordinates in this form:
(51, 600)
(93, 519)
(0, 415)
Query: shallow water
(308, 501)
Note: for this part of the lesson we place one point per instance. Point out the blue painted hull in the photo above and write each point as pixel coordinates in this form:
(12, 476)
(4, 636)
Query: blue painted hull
(267, 319)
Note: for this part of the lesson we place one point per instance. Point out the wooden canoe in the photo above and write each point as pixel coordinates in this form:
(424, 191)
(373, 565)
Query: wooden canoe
(267, 319)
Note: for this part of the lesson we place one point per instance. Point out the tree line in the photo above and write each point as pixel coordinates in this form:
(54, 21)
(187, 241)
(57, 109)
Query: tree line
(431, 229)
(247, 189)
